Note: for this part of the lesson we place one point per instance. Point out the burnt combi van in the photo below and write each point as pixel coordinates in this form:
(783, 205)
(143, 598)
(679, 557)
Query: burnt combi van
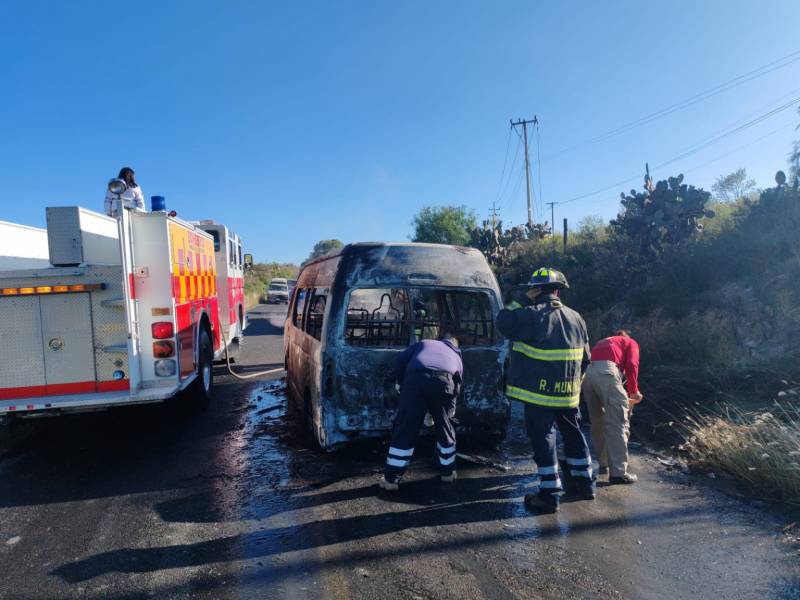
(352, 312)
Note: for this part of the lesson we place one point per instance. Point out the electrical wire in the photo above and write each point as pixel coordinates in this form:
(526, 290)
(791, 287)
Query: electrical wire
(740, 148)
(510, 172)
(503, 173)
(692, 150)
(709, 93)
(539, 168)
(722, 136)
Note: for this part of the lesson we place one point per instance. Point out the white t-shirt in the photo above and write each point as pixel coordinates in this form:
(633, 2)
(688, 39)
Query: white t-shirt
(132, 198)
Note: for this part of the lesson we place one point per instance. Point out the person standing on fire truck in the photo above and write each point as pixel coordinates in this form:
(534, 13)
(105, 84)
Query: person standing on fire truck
(609, 401)
(132, 198)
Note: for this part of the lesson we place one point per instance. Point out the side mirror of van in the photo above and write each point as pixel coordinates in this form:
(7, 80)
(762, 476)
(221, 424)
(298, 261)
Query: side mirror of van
(248, 261)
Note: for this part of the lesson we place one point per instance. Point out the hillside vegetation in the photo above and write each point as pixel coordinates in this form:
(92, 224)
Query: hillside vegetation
(711, 290)
(258, 277)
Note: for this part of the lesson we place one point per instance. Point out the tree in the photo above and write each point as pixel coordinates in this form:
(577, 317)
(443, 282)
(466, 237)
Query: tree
(321, 248)
(731, 187)
(592, 227)
(444, 225)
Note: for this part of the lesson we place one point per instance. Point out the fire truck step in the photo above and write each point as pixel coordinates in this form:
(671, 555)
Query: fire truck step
(117, 349)
(114, 302)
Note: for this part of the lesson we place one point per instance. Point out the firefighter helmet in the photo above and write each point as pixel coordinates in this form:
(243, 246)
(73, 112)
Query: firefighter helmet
(547, 276)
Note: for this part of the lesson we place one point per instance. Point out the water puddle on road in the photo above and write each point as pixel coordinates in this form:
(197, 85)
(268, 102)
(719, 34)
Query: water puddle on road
(268, 458)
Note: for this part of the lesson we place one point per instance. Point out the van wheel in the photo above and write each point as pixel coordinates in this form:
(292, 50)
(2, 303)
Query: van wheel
(201, 389)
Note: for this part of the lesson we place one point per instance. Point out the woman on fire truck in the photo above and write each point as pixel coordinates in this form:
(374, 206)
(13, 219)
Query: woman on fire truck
(132, 197)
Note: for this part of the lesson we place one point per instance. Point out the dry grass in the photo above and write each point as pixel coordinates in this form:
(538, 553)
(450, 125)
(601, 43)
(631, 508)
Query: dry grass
(761, 450)
(251, 299)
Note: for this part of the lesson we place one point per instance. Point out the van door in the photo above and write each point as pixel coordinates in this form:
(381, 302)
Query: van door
(295, 362)
(376, 330)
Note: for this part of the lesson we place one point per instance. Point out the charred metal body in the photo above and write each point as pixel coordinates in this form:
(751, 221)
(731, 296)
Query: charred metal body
(352, 313)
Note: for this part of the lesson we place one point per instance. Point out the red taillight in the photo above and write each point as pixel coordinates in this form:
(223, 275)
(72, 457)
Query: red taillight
(163, 330)
(163, 349)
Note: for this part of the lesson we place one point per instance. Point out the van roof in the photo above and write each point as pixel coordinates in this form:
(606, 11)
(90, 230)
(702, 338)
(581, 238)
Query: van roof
(357, 245)
(395, 263)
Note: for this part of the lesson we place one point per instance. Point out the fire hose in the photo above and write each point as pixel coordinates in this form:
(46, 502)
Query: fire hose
(249, 375)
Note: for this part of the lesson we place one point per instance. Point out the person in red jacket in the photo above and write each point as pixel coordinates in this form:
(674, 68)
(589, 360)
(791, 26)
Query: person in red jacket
(609, 398)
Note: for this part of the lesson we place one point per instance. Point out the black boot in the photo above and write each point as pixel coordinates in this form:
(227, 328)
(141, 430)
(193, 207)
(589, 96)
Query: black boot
(542, 503)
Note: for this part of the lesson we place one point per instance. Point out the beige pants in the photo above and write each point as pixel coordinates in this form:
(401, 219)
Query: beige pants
(607, 402)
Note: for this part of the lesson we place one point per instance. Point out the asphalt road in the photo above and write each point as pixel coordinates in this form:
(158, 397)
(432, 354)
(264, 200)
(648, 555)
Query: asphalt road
(233, 503)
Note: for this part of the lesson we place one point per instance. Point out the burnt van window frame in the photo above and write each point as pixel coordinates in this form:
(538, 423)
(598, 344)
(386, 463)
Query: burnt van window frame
(299, 308)
(424, 313)
(314, 317)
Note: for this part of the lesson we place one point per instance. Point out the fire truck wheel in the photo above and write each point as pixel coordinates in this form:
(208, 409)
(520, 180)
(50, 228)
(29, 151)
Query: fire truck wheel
(202, 388)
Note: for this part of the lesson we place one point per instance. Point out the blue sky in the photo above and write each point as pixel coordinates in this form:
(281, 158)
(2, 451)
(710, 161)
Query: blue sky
(294, 122)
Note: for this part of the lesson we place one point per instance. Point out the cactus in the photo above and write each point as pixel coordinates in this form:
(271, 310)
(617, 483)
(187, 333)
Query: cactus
(496, 243)
(662, 215)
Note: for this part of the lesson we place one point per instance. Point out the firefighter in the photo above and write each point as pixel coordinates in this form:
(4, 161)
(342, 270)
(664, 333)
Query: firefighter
(549, 350)
(430, 373)
(132, 198)
(609, 401)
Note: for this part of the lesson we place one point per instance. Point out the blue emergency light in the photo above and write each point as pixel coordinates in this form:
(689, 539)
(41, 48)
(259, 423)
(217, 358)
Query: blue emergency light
(158, 203)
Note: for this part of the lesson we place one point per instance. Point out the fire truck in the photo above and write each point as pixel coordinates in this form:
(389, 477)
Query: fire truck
(128, 310)
(230, 265)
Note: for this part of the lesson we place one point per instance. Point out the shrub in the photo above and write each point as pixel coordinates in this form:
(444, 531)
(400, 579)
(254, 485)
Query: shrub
(760, 450)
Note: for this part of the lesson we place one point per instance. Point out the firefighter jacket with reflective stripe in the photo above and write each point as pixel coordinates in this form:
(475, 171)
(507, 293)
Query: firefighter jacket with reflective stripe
(549, 351)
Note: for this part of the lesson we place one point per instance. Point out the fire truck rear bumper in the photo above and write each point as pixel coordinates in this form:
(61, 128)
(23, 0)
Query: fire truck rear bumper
(43, 405)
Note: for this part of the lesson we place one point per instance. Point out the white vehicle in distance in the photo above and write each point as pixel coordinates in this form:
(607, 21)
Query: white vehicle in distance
(278, 291)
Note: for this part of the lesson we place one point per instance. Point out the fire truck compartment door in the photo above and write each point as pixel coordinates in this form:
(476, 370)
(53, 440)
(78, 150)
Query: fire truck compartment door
(21, 357)
(67, 338)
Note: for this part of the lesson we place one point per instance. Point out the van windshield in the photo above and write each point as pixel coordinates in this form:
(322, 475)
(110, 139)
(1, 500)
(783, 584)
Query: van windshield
(277, 287)
(393, 318)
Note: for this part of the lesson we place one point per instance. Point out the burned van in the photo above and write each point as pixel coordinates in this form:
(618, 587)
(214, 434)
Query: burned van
(352, 312)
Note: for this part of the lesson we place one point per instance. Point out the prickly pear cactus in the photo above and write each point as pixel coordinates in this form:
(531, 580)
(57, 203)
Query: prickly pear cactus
(496, 243)
(667, 215)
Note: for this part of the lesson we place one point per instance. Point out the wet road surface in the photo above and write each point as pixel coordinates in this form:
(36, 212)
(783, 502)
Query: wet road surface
(233, 502)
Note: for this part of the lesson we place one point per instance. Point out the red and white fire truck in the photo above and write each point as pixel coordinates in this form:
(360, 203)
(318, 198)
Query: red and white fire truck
(230, 270)
(129, 310)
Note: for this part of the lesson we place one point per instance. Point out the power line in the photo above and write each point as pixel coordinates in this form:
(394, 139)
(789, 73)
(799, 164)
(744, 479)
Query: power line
(539, 169)
(714, 140)
(511, 171)
(723, 87)
(505, 162)
(510, 197)
(740, 148)
(691, 150)
(715, 159)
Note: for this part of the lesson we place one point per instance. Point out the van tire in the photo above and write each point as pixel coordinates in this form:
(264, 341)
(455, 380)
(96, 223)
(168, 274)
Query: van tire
(201, 390)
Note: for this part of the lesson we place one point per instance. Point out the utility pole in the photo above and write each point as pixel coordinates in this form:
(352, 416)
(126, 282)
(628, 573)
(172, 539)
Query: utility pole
(552, 215)
(494, 212)
(525, 124)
